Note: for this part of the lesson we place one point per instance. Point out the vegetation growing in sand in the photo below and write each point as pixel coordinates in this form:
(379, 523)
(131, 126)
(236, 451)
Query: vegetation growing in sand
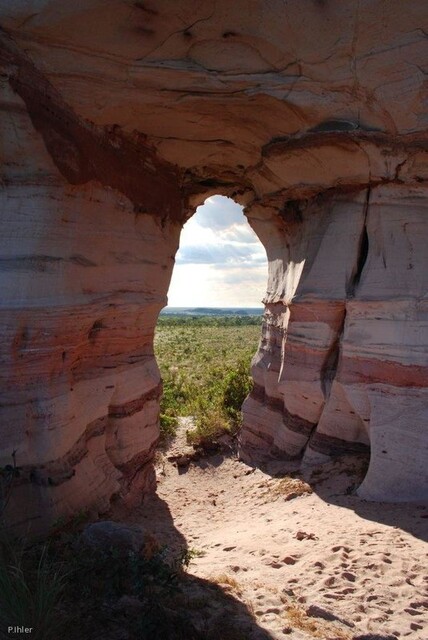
(205, 366)
(60, 588)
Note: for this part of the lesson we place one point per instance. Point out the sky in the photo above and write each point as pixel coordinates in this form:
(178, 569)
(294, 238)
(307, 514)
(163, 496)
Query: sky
(221, 262)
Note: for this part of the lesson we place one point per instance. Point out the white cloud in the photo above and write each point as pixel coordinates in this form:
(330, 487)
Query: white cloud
(228, 253)
(240, 233)
(219, 212)
(220, 262)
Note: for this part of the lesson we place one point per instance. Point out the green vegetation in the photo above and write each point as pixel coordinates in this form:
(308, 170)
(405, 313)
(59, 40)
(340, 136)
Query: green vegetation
(31, 587)
(63, 588)
(205, 366)
(49, 586)
(178, 320)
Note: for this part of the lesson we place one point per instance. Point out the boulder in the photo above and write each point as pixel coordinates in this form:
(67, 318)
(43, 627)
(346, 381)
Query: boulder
(107, 535)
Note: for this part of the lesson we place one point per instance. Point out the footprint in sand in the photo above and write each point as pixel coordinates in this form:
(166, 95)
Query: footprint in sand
(419, 605)
(290, 560)
(347, 591)
(274, 610)
(271, 562)
(339, 547)
(349, 576)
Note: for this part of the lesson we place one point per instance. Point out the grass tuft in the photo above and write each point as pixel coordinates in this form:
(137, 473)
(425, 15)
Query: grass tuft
(32, 586)
(299, 619)
(289, 488)
(228, 582)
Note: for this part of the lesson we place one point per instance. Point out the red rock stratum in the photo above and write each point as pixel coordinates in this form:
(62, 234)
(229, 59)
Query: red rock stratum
(117, 120)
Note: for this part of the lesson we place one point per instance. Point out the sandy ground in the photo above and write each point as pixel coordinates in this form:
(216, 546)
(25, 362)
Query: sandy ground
(323, 564)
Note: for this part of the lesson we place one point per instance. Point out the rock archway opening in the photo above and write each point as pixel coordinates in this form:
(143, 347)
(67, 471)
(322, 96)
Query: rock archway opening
(333, 172)
(208, 334)
(221, 262)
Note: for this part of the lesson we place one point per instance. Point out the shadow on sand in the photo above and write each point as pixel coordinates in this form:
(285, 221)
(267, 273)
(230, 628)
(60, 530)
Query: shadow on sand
(337, 481)
(209, 608)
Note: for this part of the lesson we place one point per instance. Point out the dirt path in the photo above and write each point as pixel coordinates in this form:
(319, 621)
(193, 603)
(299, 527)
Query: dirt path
(321, 564)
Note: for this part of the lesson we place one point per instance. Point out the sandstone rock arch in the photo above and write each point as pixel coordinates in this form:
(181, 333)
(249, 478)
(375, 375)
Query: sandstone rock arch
(117, 120)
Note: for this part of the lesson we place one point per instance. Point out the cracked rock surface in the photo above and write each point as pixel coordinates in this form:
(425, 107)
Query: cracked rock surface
(117, 120)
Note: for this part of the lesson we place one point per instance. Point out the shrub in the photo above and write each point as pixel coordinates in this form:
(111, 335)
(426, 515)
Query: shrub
(49, 586)
(175, 396)
(168, 426)
(101, 578)
(210, 424)
(218, 411)
(205, 366)
(237, 385)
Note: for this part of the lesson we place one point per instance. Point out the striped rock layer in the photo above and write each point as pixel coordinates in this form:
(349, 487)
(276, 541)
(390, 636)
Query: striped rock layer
(117, 120)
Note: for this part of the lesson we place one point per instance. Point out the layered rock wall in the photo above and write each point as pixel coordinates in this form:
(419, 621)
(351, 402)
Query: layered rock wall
(84, 275)
(342, 363)
(117, 120)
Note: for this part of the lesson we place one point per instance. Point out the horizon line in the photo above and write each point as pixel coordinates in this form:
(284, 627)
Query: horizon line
(223, 306)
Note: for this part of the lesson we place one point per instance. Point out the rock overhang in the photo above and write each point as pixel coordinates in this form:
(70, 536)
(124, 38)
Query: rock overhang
(136, 112)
